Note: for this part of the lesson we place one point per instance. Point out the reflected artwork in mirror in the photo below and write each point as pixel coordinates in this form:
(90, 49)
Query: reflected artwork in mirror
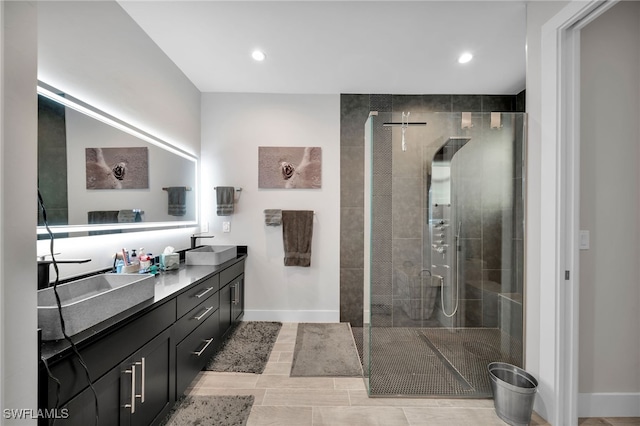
(138, 182)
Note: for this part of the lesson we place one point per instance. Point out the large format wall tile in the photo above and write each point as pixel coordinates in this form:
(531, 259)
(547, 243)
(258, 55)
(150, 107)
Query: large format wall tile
(487, 196)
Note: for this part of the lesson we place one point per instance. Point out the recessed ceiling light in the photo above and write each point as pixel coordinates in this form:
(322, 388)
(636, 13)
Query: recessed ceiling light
(258, 55)
(465, 57)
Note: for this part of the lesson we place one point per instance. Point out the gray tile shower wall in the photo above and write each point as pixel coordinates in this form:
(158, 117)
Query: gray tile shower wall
(395, 231)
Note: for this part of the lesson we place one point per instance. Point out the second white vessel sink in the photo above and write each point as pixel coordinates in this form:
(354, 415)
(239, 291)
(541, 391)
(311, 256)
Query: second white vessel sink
(211, 255)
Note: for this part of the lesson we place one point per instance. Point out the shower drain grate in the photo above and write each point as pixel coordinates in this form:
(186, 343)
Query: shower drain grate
(434, 361)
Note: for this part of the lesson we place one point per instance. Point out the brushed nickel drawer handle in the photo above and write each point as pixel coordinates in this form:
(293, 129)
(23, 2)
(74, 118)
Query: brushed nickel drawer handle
(209, 341)
(199, 317)
(133, 388)
(204, 292)
(143, 379)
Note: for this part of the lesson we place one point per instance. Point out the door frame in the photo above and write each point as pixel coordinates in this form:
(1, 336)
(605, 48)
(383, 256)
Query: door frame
(560, 207)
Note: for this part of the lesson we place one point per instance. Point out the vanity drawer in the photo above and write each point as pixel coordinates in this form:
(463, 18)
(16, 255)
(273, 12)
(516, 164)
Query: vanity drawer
(197, 294)
(194, 351)
(196, 316)
(227, 275)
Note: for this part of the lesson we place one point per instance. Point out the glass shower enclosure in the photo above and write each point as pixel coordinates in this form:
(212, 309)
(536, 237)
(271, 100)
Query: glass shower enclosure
(444, 251)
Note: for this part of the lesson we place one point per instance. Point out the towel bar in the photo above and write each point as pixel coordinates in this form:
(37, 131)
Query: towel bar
(237, 189)
(188, 188)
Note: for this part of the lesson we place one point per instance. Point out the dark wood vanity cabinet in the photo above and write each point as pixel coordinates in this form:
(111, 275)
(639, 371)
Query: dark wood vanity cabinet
(139, 391)
(139, 369)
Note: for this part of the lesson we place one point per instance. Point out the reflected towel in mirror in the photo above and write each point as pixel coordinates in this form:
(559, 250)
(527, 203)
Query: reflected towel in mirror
(177, 200)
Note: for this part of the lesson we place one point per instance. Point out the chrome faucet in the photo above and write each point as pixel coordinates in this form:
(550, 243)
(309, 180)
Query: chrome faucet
(43, 268)
(194, 237)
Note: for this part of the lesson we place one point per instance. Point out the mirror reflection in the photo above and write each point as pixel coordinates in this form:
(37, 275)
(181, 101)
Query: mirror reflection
(98, 175)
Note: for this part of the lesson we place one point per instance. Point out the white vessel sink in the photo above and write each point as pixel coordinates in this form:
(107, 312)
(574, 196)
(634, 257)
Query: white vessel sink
(211, 255)
(89, 301)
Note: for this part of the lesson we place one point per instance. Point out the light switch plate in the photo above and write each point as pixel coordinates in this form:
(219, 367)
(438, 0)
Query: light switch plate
(226, 226)
(584, 240)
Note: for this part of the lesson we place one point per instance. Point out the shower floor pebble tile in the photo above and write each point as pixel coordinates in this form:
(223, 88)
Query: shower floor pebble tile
(281, 400)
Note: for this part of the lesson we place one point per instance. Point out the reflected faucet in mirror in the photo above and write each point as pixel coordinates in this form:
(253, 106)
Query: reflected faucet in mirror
(43, 268)
(194, 237)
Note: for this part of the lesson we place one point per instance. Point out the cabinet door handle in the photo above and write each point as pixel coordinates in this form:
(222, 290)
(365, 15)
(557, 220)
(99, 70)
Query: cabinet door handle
(209, 341)
(144, 380)
(236, 293)
(199, 317)
(234, 290)
(204, 292)
(133, 388)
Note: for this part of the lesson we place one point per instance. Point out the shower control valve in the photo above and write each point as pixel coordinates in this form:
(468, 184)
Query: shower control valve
(439, 249)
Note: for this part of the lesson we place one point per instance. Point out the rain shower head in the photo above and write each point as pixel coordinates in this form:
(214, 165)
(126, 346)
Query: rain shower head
(450, 148)
(457, 141)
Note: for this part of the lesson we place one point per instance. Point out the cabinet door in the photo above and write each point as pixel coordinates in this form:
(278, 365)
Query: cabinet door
(81, 410)
(237, 299)
(147, 388)
(225, 308)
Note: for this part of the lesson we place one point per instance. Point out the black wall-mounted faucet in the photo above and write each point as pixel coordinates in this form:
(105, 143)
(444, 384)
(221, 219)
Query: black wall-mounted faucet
(194, 237)
(43, 269)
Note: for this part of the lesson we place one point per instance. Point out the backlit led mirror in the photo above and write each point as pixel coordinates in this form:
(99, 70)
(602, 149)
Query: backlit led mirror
(98, 174)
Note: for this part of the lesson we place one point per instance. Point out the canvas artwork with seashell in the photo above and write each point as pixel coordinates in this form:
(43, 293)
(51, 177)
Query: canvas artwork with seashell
(290, 167)
(117, 168)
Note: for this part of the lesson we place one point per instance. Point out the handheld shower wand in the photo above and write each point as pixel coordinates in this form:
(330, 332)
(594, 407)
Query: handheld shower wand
(457, 276)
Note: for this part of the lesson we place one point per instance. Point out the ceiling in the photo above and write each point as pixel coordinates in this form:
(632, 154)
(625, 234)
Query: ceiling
(330, 47)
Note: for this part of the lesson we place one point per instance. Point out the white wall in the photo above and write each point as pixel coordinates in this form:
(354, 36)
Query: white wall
(95, 52)
(18, 348)
(610, 210)
(233, 127)
(538, 13)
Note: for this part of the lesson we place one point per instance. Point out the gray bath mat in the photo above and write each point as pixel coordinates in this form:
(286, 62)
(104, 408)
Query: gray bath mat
(210, 410)
(325, 350)
(246, 348)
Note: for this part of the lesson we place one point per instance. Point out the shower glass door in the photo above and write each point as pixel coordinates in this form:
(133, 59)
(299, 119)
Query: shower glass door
(444, 250)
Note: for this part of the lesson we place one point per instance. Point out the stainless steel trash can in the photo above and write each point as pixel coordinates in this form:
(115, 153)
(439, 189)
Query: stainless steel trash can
(514, 391)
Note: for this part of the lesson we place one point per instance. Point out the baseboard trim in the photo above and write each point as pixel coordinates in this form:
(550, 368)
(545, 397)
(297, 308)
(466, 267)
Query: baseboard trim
(608, 404)
(291, 316)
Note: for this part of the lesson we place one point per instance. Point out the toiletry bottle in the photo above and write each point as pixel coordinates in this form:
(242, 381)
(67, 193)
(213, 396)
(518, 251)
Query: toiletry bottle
(145, 263)
(119, 265)
(134, 257)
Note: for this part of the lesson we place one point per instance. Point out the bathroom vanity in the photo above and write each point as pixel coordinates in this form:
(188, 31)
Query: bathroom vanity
(142, 360)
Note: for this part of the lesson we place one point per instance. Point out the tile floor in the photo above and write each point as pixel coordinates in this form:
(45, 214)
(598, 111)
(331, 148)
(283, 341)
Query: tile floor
(325, 401)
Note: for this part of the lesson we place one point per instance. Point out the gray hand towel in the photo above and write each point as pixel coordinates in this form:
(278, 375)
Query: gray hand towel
(297, 231)
(273, 217)
(225, 196)
(102, 216)
(177, 200)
